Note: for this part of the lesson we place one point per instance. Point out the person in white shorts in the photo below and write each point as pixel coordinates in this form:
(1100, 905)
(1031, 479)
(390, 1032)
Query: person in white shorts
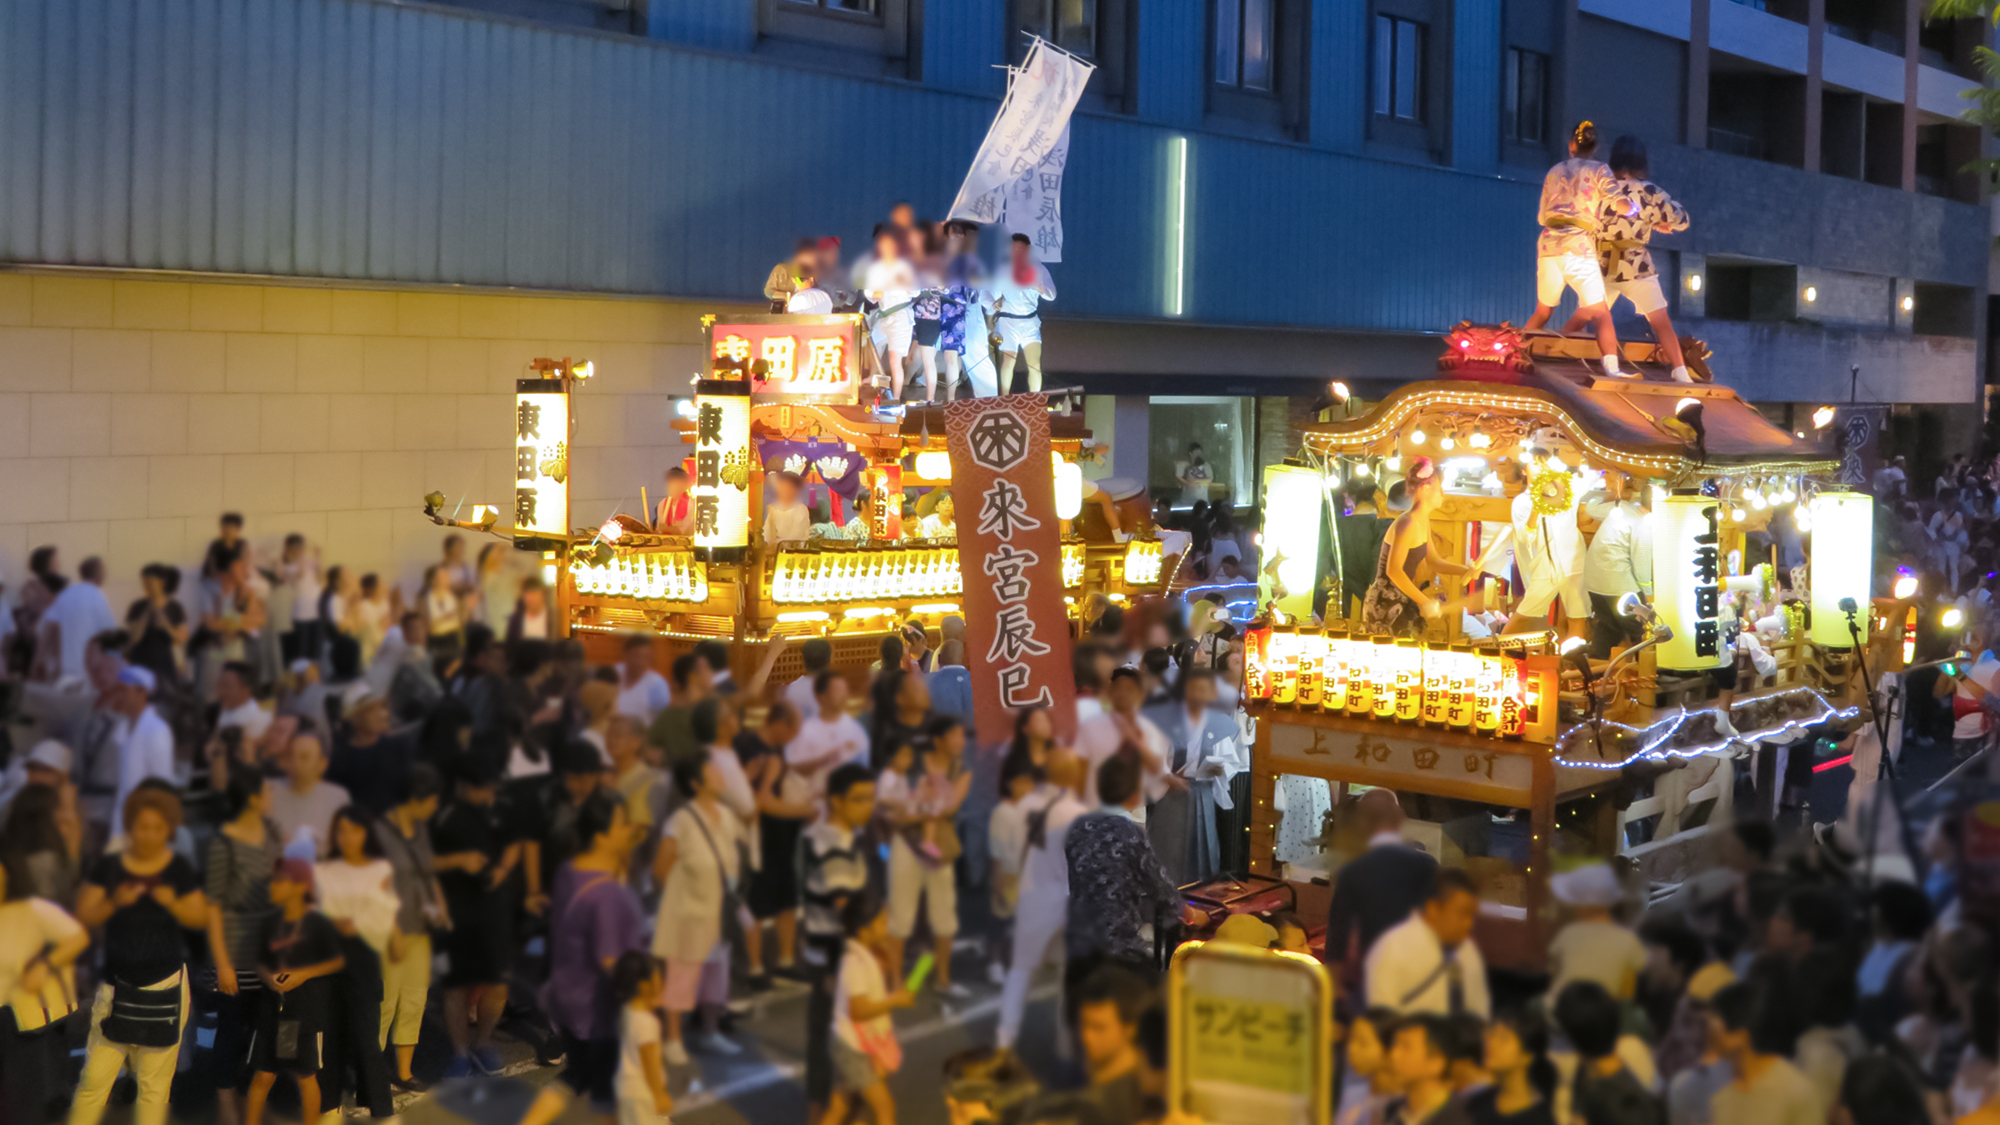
(1549, 549)
(891, 282)
(1573, 202)
(1018, 294)
(1623, 251)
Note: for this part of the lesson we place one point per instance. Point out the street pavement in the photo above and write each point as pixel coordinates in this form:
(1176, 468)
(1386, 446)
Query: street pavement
(766, 1083)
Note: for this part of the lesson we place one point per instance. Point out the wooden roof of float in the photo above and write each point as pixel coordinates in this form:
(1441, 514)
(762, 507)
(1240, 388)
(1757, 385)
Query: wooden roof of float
(1553, 381)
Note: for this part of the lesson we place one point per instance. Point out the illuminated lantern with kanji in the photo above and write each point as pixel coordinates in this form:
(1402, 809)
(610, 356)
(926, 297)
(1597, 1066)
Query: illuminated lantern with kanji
(1843, 528)
(1687, 580)
(721, 489)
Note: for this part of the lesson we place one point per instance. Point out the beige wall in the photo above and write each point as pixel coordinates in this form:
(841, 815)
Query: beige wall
(134, 410)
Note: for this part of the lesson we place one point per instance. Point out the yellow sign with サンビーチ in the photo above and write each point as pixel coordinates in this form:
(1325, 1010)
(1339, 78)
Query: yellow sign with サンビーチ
(1250, 1035)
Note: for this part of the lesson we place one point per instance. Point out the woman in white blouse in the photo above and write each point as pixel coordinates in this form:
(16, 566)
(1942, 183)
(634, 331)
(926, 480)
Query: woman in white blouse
(356, 889)
(697, 868)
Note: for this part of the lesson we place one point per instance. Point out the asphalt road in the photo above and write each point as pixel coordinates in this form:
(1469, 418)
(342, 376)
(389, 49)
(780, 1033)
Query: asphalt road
(765, 1084)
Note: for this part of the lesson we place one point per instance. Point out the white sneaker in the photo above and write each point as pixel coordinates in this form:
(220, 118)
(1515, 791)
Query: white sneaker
(1723, 726)
(719, 1044)
(674, 1053)
(1681, 375)
(1612, 369)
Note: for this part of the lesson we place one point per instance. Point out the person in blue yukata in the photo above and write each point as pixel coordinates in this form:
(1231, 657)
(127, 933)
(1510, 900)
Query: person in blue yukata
(1203, 740)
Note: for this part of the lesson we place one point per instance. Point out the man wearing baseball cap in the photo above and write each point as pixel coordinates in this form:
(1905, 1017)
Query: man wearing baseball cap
(145, 741)
(47, 763)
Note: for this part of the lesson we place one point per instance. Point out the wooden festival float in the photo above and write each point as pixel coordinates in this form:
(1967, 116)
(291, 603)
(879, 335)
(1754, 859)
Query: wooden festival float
(1499, 743)
(781, 392)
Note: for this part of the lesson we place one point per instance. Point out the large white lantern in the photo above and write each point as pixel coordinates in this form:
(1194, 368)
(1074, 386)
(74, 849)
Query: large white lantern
(721, 463)
(1293, 523)
(1687, 580)
(1843, 556)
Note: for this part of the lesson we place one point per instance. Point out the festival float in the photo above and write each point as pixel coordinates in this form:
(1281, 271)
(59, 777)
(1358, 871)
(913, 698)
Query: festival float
(1504, 738)
(783, 393)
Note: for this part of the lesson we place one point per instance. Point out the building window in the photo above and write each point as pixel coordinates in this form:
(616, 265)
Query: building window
(1069, 24)
(1523, 94)
(1243, 44)
(860, 7)
(1399, 68)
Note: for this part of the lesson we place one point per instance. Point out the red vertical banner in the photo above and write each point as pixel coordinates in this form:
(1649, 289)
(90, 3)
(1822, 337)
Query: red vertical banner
(1010, 551)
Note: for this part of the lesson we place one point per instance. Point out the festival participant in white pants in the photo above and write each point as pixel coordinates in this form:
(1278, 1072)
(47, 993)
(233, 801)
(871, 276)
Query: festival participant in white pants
(891, 282)
(1044, 901)
(1574, 196)
(1018, 294)
(1623, 250)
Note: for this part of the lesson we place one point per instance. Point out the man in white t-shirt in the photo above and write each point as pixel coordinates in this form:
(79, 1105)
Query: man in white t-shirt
(1121, 722)
(146, 742)
(831, 738)
(306, 801)
(817, 654)
(891, 283)
(235, 706)
(79, 613)
(642, 691)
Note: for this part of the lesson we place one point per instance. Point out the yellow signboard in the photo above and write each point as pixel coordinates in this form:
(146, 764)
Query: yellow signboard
(1250, 1035)
(541, 458)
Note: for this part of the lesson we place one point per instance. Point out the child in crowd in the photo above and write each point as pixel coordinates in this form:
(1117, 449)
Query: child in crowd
(1516, 1045)
(1593, 947)
(300, 955)
(865, 1050)
(640, 983)
(1007, 845)
(1292, 937)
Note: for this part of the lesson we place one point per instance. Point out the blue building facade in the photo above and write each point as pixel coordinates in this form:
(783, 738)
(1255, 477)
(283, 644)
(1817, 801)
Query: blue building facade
(1356, 175)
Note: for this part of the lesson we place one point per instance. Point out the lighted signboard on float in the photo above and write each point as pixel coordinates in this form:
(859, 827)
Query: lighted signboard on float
(541, 461)
(721, 463)
(1293, 524)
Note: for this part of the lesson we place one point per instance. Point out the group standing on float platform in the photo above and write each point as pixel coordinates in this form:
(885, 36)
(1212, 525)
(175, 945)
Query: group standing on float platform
(931, 306)
(1597, 223)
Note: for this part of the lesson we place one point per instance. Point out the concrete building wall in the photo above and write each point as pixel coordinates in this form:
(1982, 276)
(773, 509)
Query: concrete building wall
(133, 412)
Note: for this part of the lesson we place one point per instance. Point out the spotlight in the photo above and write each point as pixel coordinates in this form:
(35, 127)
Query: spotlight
(1694, 283)
(1822, 418)
(1339, 389)
(1952, 617)
(1909, 303)
(1906, 585)
(1811, 294)
(1688, 412)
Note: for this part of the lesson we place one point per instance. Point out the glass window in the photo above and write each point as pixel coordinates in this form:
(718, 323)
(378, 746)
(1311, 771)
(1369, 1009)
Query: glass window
(1525, 84)
(1228, 41)
(1225, 467)
(1243, 35)
(1069, 24)
(1399, 68)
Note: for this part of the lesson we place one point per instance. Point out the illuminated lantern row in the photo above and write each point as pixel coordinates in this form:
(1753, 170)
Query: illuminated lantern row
(672, 576)
(1842, 565)
(810, 577)
(1142, 563)
(1479, 691)
(815, 577)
